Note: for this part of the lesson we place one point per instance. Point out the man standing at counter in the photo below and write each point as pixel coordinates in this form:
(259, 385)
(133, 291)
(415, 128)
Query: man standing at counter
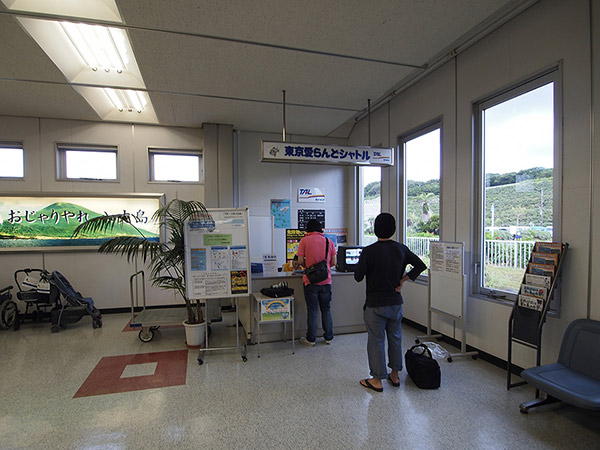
(311, 250)
(384, 263)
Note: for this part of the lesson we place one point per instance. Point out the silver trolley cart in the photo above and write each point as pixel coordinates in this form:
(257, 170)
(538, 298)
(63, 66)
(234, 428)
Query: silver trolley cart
(238, 346)
(150, 320)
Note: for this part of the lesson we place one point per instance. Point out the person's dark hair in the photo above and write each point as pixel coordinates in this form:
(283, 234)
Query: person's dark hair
(385, 225)
(313, 225)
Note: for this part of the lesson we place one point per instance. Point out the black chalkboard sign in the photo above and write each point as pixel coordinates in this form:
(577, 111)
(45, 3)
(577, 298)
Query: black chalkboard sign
(304, 215)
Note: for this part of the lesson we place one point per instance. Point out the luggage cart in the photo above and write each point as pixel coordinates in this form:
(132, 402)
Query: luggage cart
(150, 320)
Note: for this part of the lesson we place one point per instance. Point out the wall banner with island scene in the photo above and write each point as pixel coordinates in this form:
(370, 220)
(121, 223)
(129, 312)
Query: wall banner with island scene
(217, 258)
(46, 222)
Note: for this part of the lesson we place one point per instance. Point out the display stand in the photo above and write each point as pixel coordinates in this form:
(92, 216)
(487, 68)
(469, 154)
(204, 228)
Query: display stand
(530, 309)
(273, 310)
(217, 263)
(447, 290)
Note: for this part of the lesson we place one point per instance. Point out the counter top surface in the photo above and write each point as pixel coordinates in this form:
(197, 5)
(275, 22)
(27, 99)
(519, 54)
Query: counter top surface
(261, 276)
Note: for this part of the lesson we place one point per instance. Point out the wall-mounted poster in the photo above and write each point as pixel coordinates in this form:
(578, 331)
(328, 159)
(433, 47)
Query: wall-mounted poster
(292, 240)
(281, 212)
(217, 260)
(47, 222)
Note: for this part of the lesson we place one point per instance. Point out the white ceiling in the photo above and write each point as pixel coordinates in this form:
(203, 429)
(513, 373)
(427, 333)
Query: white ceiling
(228, 61)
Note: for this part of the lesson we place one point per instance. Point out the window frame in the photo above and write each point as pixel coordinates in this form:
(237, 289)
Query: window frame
(61, 161)
(425, 128)
(152, 151)
(13, 145)
(552, 74)
(360, 197)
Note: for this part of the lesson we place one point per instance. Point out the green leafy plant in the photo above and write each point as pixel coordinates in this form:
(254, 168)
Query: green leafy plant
(166, 259)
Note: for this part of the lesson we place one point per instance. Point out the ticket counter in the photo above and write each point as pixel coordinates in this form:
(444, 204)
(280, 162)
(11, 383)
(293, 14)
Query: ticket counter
(348, 298)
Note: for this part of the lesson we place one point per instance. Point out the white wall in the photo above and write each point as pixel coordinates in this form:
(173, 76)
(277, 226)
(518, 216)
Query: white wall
(102, 277)
(549, 31)
(260, 182)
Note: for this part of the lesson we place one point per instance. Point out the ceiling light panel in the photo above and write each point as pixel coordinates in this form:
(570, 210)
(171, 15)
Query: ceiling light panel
(89, 9)
(119, 105)
(87, 54)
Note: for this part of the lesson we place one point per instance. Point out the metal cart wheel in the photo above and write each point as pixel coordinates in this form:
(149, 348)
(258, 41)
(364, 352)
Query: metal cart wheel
(8, 314)
(146, 335)
(55, 328)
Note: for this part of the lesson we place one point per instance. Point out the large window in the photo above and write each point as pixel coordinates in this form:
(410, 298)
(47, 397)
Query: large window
(168, 165)
(86, 163)
(370, 199)
(420, 154)
(12, 165)
(518, 184)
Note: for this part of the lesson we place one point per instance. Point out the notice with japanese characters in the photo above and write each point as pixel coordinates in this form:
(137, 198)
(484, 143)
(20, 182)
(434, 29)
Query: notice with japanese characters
(217, 260)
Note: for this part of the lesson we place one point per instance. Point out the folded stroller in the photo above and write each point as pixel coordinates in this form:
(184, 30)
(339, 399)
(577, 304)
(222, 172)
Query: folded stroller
(78, 305)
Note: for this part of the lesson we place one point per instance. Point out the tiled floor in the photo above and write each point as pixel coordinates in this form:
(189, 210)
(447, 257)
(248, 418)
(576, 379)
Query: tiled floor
(87, 388)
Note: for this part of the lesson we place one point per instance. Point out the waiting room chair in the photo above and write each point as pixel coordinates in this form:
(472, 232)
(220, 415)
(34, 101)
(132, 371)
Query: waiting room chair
(575, 378)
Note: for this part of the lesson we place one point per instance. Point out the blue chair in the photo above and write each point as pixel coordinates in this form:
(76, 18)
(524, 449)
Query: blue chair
(575, 378)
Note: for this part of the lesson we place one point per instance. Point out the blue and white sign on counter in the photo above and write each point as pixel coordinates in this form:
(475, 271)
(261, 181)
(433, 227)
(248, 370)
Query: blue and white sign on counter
(310, 195)
(288, 152)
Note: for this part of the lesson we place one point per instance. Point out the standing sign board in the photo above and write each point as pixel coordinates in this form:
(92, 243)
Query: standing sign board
(447, 289)
(446, 278)
(217, 259)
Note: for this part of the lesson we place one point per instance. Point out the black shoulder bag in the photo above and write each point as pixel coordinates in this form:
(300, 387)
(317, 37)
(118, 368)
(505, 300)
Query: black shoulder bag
(422, 368)
(318, 272)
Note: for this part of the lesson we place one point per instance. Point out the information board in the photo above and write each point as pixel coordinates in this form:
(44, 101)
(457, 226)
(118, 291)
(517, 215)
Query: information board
(217, 259)
(304, 215)
(446, 290)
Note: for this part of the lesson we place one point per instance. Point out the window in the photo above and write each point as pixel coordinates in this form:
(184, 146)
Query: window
(420, 162)
(175, 165)
(13, 165)
(518, 187)
(87, 163)
(369, 201)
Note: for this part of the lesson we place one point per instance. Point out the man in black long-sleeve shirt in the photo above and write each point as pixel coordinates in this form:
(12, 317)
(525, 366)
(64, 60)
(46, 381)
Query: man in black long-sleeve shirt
(384, 264)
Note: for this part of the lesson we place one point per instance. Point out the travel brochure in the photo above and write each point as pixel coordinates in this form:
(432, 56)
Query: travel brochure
(541, 270)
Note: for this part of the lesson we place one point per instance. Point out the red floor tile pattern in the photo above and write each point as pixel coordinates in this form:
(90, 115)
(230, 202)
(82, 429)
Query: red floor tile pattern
(106, 378)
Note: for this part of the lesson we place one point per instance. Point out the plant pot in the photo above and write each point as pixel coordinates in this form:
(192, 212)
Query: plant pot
(194, 334)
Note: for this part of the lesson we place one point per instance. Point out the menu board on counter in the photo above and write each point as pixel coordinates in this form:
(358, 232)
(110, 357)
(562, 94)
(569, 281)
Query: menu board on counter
(217, 259)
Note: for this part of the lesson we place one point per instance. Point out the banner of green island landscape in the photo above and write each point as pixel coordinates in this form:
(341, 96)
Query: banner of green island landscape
(45, 222)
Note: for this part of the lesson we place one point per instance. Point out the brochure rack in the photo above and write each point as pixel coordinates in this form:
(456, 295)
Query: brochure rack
(529, 311)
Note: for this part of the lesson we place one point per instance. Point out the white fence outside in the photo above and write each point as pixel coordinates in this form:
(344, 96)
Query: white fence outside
(513, 254)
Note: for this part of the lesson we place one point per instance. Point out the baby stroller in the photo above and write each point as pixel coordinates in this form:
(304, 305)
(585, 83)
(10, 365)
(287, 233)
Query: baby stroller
(43, 298)
(8, 308)
(78, 305)
(38, 294)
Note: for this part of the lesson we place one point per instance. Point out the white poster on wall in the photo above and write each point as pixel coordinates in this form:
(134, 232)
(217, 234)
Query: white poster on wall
(310, 195)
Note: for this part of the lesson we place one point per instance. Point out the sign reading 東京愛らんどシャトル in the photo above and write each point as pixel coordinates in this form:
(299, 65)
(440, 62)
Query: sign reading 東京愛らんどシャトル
(288, 152)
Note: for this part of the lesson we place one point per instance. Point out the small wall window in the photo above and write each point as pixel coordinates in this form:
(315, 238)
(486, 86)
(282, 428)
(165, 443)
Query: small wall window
(12, 158)
(87, 163)
(170, 165)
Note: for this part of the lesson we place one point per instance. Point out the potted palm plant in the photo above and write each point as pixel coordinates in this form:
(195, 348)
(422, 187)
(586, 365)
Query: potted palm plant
(166, 260)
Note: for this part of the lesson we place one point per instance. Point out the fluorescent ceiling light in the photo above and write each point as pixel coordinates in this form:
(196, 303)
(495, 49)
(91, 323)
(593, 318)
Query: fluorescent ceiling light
(99, 46)
(126, 99)
(119, 105)
(89, 9)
